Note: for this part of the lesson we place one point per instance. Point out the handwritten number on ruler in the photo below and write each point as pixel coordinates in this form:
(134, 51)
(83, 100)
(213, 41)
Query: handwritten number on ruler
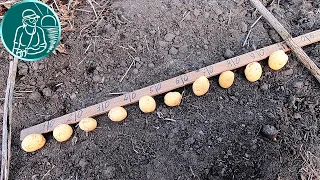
(209, 70)
(75, 116)
(130, 96)
(233, 62)
(49, 124)
(156, 87)
(103, 106)
(183, 78)
(252, 55)
(261, 52)
(306, 37)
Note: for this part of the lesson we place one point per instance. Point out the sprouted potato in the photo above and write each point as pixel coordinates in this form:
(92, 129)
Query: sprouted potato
(147, 104)
(172, 99)
(33, 142)
(277, 60)
(62, 132)
(226, 79)
(117, 114)
(253, 71)
(88, 124)
(201, 86)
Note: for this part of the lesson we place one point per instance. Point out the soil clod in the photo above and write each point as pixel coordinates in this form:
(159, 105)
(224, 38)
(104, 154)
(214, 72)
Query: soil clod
(270, 132)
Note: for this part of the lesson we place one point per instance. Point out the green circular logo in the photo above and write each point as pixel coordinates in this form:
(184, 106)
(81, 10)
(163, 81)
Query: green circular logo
(30, 30)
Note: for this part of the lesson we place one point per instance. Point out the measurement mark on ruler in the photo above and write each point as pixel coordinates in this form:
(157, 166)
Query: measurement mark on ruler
(182, 78)
(209, 69)
(75, 116)
(155, 88)
(168, 85)
(130, 96)
(233, 62)
(101, 107)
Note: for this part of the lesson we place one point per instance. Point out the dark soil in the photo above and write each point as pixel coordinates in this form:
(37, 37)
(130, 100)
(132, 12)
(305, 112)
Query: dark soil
(216, 136)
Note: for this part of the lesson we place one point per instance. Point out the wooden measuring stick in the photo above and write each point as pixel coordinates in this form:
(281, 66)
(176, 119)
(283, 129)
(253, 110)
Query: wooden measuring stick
(6, 123)
(168, 85)
(302, 56)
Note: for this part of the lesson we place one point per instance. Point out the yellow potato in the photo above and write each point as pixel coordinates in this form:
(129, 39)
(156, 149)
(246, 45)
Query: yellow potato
(88, 124)
(33, 142)
(147, 104)
(226, 79)
(62, 132)
(277, 60)
(201, 86)
(172, 99)
(253, 71)
(117, 114)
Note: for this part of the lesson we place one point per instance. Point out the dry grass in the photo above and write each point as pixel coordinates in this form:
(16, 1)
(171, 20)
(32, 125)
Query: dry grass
(311, 166)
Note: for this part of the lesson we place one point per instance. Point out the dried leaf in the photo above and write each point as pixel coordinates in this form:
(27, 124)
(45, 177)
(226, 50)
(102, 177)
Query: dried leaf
(61, 48)
(8, 5)
(67, 29)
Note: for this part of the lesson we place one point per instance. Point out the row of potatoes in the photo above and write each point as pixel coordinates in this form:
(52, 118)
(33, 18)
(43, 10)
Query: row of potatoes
(147, 104)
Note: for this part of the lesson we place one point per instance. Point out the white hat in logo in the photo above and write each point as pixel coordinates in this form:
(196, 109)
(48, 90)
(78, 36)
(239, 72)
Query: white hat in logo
(29, 14)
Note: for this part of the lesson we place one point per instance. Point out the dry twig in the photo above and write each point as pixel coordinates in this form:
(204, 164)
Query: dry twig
(125, 74)
(7, 118)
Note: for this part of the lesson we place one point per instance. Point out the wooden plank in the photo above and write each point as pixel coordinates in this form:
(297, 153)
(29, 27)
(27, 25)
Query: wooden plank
(168, 85)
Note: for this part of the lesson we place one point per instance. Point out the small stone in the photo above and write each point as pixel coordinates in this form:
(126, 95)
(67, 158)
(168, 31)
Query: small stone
(73, 96)
(288, 72)
(183, 49)
(99, 69)
(23, 69)
(109, 172)
(35, 65)
(64, 71)
(163, 44)
(138, 65)
(228, 53)
(35, 96)
(90, 54)
(151, 65)
(35, 177)
(135, 71)
(41, 66)
(173, 51)
(297, 116)
(206, 15)
(205, 47)
(264, 87)
(169, 37)
(83, 163)
(244, 27)
(298, 85)
(137, 59)
(153, 32)
(123, 64)
(196, 12)
(96, 78)
(189, 141)
(47, 92)
(270, 131)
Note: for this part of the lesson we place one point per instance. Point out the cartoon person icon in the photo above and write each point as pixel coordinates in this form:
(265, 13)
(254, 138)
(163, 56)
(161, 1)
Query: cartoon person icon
(29, 38)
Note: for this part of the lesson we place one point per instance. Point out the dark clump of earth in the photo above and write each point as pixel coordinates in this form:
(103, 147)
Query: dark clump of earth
(216, 136)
